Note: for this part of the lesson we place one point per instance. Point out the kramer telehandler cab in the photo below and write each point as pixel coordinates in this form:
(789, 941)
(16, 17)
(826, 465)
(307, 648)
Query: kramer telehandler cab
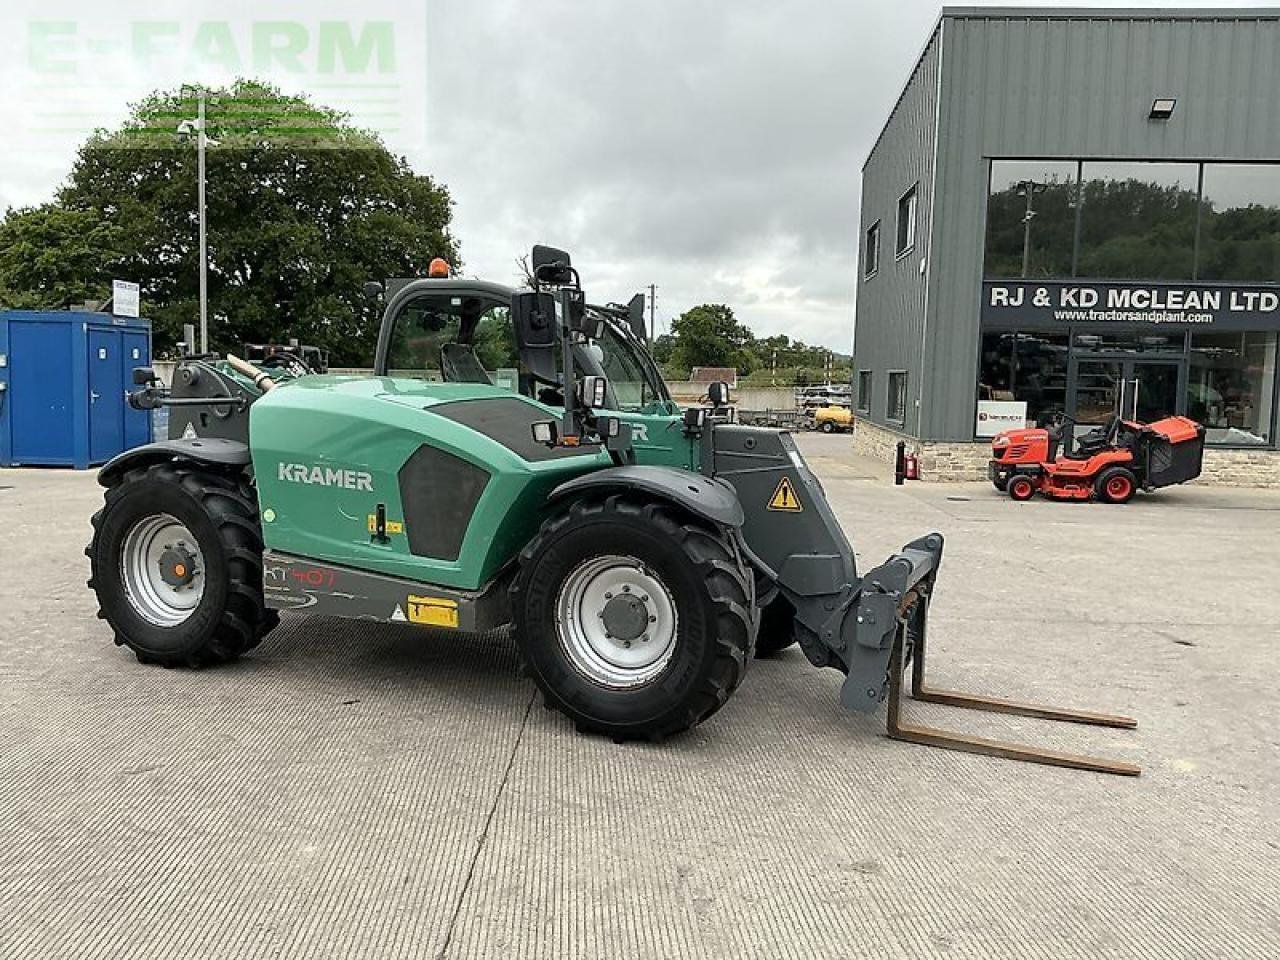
(643, 554)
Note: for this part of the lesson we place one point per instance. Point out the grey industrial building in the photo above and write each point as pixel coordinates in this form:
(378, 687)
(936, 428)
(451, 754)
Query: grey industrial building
(1076, 209)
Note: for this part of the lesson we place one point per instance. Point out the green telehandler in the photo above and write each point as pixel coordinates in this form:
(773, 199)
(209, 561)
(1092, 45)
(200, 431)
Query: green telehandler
(642, 554)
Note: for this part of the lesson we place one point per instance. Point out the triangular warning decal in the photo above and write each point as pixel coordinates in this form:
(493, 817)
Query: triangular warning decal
(398, 616)
(784, 498)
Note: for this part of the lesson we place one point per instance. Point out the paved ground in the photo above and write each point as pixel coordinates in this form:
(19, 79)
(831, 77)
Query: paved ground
(376, 792)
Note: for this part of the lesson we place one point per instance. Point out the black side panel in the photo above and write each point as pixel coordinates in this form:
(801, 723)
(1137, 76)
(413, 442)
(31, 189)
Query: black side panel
(439, 493)
(510, 423)
(1172, 463)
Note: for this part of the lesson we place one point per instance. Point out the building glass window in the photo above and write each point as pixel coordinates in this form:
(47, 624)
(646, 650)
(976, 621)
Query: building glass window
(1031, 218)
(864, 390)
(871, 258)
(1131, 341)
(1240, 223)
(1138, 220)
(1025, 366)
(1231, 385)
(897, 404)
(906, 223)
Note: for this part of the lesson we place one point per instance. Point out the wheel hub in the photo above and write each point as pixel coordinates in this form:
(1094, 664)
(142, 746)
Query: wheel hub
(617, 621)
(178, 566)
(625, 617)
(162, 570)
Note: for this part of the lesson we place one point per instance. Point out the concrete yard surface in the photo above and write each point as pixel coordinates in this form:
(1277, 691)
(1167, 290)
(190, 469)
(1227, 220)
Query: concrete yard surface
(358, 791)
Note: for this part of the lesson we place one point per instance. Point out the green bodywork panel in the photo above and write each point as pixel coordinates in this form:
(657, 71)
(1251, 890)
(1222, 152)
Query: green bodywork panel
(328, 449)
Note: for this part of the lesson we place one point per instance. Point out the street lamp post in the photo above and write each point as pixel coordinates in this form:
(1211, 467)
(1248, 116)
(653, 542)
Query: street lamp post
(1028, 188)
(201, 143)
(200, 128)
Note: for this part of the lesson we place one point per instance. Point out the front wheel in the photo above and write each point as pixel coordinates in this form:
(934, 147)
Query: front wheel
(828, 427)
(176, 562)
(1021, 488)
(634, 621)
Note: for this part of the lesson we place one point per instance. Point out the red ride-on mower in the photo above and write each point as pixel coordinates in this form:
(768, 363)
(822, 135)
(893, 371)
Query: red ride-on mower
(1110, 463)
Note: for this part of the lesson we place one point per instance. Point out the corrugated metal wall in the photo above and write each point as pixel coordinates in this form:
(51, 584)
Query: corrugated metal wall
(1042, 85)
(891, 306)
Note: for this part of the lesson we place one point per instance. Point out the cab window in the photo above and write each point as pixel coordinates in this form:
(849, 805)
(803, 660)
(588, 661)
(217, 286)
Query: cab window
(455, 339)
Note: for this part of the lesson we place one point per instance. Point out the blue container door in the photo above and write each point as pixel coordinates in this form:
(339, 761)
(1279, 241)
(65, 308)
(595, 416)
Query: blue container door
(106, 395)
(137, 423)
(40, 389)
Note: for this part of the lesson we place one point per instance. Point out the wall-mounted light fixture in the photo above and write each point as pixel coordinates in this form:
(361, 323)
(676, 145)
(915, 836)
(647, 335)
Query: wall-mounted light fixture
(1162, 108)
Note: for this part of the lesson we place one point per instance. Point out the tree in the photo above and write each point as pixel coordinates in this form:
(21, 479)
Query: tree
(303, 209)
(55, 257)
(709, 336)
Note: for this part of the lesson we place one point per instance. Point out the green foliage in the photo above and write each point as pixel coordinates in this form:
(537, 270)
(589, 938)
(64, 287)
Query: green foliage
(53, 257)
(303, 209)
(710, 336)
(1052, 231)
(1242, 243)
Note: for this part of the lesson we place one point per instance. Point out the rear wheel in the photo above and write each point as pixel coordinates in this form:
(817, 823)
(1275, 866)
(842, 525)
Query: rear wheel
(634, 621)
(1021, 488)
(828, 427)
(177, 566)
(777, 628)
(1116, 485)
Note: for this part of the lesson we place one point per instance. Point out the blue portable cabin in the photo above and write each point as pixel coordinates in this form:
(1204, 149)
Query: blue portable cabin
(64, 381)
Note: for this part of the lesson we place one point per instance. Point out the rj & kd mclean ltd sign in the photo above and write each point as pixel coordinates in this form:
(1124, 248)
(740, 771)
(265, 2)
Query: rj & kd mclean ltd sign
(1216, 305)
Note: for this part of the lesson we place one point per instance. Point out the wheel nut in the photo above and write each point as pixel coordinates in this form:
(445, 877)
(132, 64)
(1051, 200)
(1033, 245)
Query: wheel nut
(626, 589)
(608, 596)
(652, 620)
(627, 644)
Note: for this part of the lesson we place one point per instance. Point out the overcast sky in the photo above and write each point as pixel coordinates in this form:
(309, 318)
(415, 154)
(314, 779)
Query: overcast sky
(710, 147)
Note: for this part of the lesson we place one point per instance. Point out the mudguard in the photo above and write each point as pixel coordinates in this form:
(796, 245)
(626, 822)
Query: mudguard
(215, 452)
(710, 499)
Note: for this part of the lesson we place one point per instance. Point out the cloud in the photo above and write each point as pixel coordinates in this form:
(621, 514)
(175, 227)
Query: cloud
(711, 148)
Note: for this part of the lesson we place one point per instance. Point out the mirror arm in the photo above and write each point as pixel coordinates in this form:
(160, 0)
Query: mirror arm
(569, 424)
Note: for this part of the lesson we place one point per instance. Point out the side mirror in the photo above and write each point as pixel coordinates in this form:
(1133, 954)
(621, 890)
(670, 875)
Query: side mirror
(718, 393)
(533, 317)
(552, 266)
(373, 290)
(635, 317)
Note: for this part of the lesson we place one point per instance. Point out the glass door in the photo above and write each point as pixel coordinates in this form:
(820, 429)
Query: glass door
(1097, 385)
(1151, 392)
(1142, 390)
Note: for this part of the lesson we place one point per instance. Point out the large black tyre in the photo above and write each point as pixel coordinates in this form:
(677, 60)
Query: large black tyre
(703, 578)
(777, 628)
(1116, 485)
(220, 513)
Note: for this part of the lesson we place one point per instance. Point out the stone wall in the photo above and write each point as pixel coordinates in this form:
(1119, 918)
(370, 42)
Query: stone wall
(968, 461)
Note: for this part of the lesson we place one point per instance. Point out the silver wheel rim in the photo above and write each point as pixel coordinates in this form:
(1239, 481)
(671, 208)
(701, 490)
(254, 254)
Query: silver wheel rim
(585, 606)
(151, 596)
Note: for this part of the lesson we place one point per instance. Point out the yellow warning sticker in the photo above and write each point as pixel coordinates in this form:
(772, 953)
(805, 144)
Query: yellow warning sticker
(433, 612)
(393, 526)
(784, 498)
